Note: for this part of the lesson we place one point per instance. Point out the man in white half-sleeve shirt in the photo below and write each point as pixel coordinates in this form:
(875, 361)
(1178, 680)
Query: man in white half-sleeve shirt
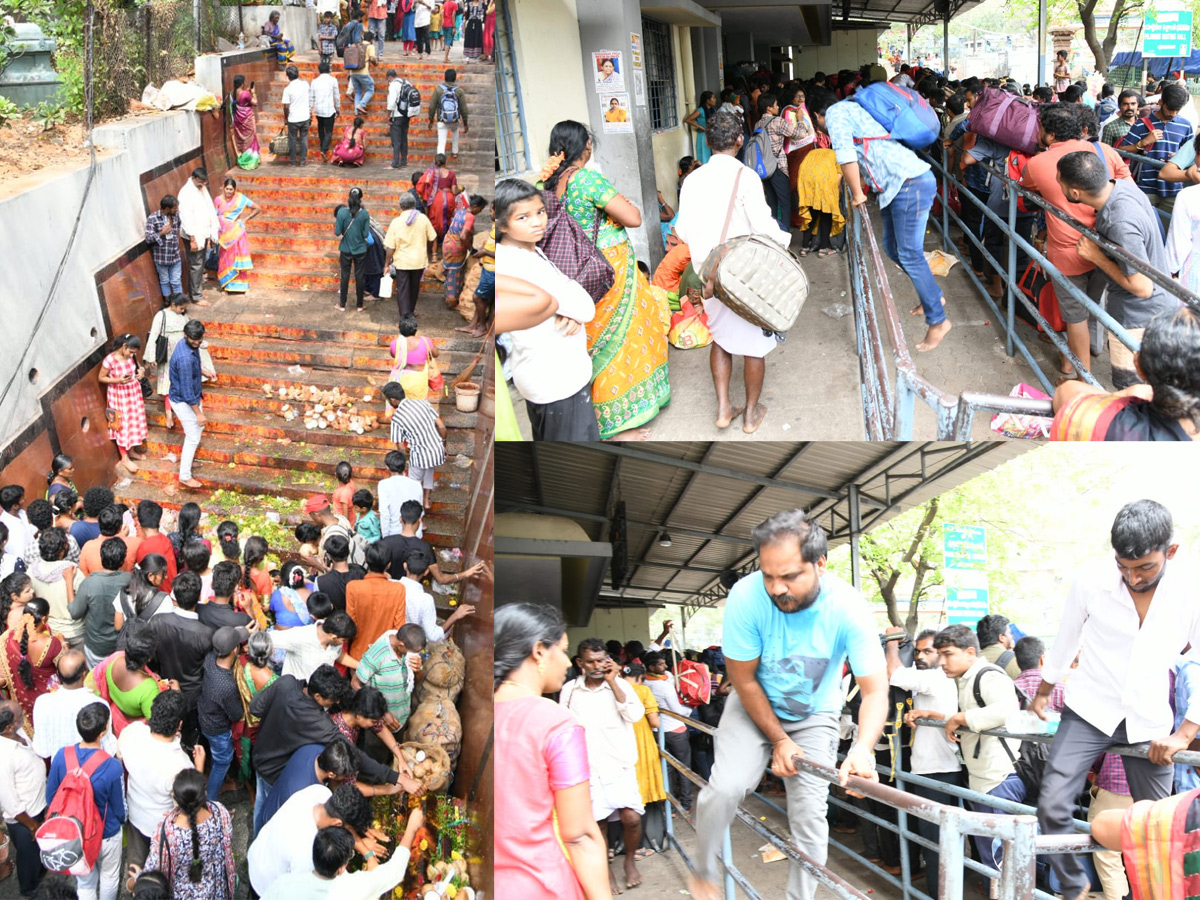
(1134, 616)
(933, 756)
(704, 207)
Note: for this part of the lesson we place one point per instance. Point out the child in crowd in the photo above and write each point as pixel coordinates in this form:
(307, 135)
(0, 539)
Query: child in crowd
(417, 424)
(308, 535)
(416, 176)
(368, 519)
(435, 28)
(343, 496)
(327, 33)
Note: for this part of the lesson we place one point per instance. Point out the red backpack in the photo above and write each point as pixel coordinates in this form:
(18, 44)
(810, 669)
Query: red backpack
(693, 683)
(69, 840)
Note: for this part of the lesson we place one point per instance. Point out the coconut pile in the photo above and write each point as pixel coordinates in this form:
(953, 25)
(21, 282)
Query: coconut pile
(337, 409)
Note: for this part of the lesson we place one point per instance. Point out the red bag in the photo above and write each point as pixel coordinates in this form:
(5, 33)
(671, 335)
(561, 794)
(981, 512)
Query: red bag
(693, 682)
(1006, 119)
(69, 840)
(1035, 285)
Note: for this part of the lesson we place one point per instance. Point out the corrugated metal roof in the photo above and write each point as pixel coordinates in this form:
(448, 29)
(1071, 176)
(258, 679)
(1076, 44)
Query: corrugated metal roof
(721, 489)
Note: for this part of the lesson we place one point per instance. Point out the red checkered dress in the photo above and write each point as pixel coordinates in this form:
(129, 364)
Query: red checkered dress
(126, 399)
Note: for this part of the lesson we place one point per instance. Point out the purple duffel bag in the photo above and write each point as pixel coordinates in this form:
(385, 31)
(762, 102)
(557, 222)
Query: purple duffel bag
(1005, 118)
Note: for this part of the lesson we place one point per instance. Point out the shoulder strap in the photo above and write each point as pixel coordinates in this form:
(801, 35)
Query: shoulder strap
(1004, 659)
(732, 202)
(975, 689)
(1107, 167)
(126, 606)
(95, 761)
(153, 605)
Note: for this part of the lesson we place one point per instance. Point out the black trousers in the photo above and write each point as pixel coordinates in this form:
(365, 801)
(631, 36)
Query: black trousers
(423, 39)
(399, 134)
(325, 131)
(406, 285)
(779, 196)
(929, 830)
(26, 855)
(820, 239)
(570, 419)
(679, 746)
(973, 218)
(346, 260)
(298, 142)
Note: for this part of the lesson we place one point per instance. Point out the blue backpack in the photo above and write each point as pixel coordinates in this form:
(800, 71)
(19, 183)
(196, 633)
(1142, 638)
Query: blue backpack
(905, 114)
(758, 156)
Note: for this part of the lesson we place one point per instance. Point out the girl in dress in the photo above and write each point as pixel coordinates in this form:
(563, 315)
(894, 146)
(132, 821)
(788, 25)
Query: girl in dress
(126, 409)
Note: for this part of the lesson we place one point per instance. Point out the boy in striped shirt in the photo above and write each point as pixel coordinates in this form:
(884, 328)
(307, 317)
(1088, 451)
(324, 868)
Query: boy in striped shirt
(416, 423)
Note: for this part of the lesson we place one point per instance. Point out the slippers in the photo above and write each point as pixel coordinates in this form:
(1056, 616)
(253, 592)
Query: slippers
(1064, 377)
(644, 853)
(826, 252)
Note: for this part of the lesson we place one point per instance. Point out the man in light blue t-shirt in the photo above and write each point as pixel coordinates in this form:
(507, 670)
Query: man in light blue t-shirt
(788, 630)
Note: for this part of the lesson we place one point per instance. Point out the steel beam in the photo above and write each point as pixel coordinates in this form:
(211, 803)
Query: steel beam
(514, 506)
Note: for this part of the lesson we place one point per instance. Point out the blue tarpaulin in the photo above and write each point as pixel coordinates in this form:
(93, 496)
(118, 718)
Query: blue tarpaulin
(1159, 67)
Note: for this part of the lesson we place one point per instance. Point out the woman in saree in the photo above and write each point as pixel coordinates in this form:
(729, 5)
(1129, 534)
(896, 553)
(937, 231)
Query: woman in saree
(243, 122)
(797, 148)
(473, 16)
(1159, 841)
(28, 654)
(124, 679)
(696, 120)
(233, 261)
(437, 188)
(626, 339)
(410, 359)
(281, 49)
(253, 674)
(352, 149)
(457, 244)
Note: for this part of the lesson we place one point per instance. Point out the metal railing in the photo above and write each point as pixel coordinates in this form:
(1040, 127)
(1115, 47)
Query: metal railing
(1015, 825)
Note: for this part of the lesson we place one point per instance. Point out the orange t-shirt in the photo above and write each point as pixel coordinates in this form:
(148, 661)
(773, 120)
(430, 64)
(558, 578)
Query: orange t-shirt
(376, 604)
(89, 555)
(343, 501)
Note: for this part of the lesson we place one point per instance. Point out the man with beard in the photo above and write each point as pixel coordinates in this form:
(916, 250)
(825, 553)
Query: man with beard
(607, 707)
(1133, 622)
(788, 629)
(933, 755)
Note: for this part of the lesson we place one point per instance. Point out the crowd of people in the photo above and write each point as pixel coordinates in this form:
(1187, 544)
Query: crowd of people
(802, 673)
(813, 149)
(151, 667)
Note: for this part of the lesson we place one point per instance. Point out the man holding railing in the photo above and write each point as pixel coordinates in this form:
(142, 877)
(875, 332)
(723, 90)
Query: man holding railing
(1132, 622)
(788, 630)
(1158, 136)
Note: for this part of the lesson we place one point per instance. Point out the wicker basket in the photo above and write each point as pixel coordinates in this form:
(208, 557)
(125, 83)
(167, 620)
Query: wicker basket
(441, 765)
(279, 144)
(757, 279)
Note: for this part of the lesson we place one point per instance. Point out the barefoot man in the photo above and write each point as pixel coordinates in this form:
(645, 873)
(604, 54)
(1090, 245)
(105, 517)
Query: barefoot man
(1133, 622)
(788, 629)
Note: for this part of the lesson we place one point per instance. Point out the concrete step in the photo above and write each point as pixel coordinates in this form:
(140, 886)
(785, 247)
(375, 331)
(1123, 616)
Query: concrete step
(455, 343)
(297, 352)
(287, 275)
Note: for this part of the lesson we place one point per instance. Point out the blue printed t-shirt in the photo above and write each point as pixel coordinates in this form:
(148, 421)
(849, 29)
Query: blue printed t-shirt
(800, 654)
(1176, 134)
(884, 164)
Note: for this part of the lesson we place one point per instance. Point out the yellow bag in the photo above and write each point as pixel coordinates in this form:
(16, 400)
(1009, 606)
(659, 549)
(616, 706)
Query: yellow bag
(689, 327)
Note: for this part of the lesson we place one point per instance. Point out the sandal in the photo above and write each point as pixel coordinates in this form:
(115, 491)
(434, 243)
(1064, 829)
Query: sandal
(826, 252)
(644, 853)
(803, 251)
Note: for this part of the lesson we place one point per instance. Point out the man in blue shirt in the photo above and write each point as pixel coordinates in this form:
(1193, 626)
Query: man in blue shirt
(788, 630)
(906, 189)
(185, 397)
(108, 793)
(1159, 136)
(328, 764)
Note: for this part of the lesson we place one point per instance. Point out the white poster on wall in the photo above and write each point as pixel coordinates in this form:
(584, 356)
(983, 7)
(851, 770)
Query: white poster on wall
(608, 72)
(639, 87)
(617, 117)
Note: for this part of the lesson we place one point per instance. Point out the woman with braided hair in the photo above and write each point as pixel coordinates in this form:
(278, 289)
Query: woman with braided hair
(28, 654)
(1165, 408)
(194, 845)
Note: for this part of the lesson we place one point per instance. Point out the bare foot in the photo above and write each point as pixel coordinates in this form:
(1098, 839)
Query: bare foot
(128, 465)
(703, 890)
(136, 455)
(612, 883)
(191, 483)
(633, 877)
(751, 423)
(934, 336)
(201, 303)
(725, 418)
(919, 310)
(632, 434)
(466, 329)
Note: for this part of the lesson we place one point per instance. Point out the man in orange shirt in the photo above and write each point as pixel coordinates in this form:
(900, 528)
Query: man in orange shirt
(1061, 133)
(110, 524)
(375, 603)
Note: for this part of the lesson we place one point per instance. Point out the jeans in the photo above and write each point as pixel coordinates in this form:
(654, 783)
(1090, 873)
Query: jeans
(904, 241)
(346, 260)
(195, 257)
(423, 39)
(779, 196)
(399, 133)
(26, 855)
(1011, 788)
(169, 278)
(220, 748)
(192, 430)
(325, 131)
(298, 142)
(261, 792)
(444, 128)
(407, 285)
(743, 751)
(101, 883)
(364, 90)
(378, 26)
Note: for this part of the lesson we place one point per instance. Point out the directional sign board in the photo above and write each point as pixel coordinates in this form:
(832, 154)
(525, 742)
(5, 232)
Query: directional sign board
(1168, 34)
(965, 605)
(964, 546)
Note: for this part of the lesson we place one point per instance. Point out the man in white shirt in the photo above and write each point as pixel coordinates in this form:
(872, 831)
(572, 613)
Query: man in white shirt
(152, 756)
(902, 77)
(297, 112)
(704, 206)
(423, 10)
(933, 755)
(607, 707)
(198, 226)
(662, 685)
(14, 519)
(308, 647)
(326, 106)
(22, 794)
(1134, 622)
(419, 608)
(285, 843)
(54, 713)
(394, 491)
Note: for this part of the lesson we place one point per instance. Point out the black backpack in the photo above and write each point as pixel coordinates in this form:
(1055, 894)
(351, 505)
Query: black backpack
(1030, 761)
(343, 37)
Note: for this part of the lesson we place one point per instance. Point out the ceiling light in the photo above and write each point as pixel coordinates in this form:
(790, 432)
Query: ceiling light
(664, 540)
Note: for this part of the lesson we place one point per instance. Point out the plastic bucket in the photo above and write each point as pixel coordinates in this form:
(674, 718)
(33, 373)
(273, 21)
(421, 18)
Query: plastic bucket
(466, 396)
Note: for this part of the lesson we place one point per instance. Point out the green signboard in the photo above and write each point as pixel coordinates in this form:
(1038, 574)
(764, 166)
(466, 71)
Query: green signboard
(1167, 34)
(965, 606)
(964, 546)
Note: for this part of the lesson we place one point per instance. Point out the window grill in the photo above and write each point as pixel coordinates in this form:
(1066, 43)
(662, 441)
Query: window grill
(660, 74)
(512, 150)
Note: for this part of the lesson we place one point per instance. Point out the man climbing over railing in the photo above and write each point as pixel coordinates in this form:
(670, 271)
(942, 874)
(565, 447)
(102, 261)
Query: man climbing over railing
(1133, 623)
(788, 630)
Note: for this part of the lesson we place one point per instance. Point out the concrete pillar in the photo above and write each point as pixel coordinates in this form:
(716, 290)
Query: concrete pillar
(626, 159)
(706, 60)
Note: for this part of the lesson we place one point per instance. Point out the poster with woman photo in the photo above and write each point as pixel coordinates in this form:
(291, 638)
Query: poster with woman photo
(608, 72)
(617, 119)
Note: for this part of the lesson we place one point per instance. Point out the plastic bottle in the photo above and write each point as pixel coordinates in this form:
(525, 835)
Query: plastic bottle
(241, 40)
